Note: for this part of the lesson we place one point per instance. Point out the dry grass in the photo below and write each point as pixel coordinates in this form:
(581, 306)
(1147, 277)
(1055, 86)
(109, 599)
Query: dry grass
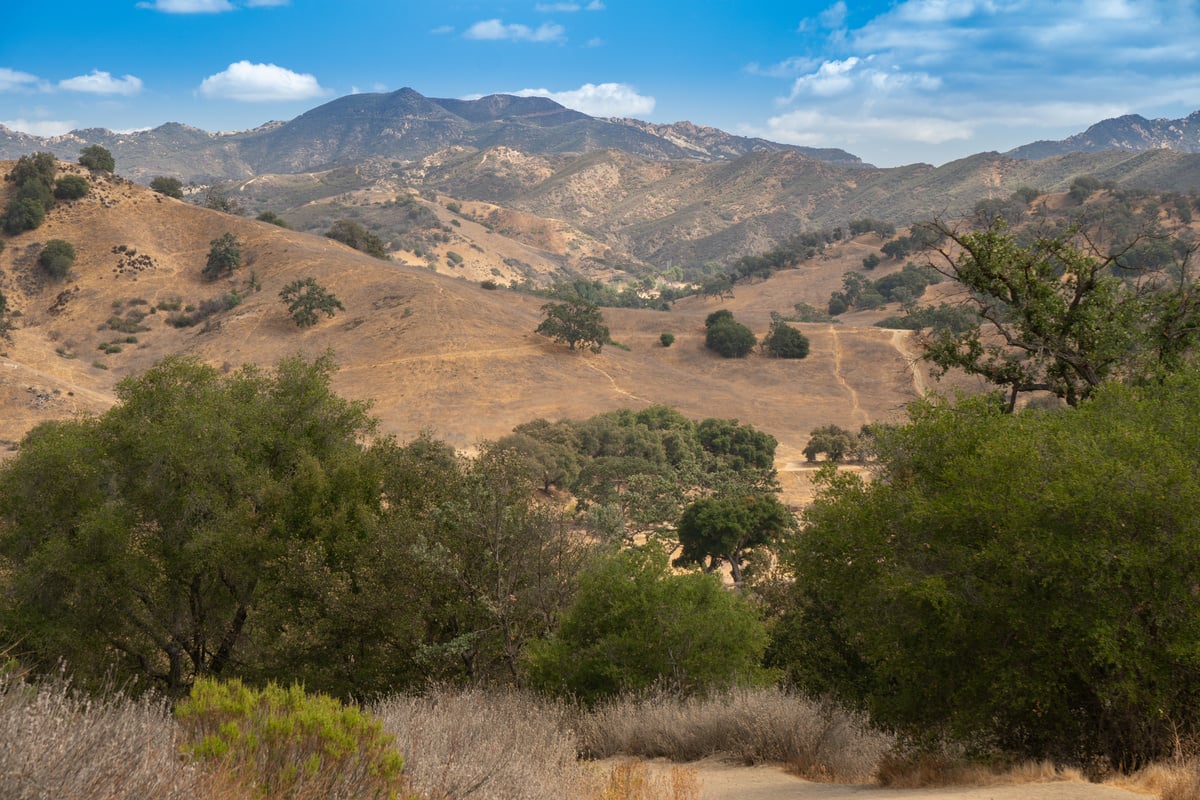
(485, 745)
(632, 780)
(815, 740)
(60, 744)
(940, 769)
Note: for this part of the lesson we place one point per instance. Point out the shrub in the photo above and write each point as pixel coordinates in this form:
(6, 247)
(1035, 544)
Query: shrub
(97, 158)
(667, 339)
(71, 187)
(288, 743)
(56, 258)
(726, 336)
(304, 298)
(274, 219)
(354, 235)
(784, 341)
(23, 215)
(224, 257)
(171, 187)
(635, 624)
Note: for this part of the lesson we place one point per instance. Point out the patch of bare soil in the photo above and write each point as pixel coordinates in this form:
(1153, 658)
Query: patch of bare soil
(721, 780)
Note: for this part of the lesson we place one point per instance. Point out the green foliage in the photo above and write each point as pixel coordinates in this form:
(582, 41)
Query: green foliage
(636, 625)
(224, 256)
(40, 167)
(23, 215)
(1084, 187)
(97, 158)
(168, 186)
(834, 442)
(1024, 582)
(168, 517)
(858, 227)
(667, 339)
(274, 219)
(287, 743)
(942, 317)
(56, 258)
(71, 187)
(716, 530)
(808, 313)
(784, 341)
(354, 235)
(218, 199)
(1066, 322)
(726, 336)
(870, 262)
(304, 298)
(6, 323)
(576, 323)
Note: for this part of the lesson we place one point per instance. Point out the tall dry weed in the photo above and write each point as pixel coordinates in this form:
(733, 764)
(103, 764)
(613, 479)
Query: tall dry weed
(476, 744)
(817, 740)
(632, 780)
(59, 744)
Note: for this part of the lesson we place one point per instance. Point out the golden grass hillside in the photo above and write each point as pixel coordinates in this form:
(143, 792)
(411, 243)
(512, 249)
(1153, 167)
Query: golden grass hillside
(433, 352)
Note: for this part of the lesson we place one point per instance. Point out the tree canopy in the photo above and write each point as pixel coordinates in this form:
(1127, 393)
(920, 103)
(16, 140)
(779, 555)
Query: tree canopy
(305, 297)
(576, 323)
(224, 256)
(1019, 581)
(1060, 316)
(98, 158)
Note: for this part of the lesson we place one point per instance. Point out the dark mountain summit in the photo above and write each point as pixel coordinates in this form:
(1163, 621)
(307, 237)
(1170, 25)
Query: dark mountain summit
(1130, 132)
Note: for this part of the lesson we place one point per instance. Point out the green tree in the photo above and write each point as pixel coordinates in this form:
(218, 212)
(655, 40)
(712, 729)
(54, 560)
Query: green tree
(274, 219)
(56, 258)
(304, 298)
(1056, 318)
(666, 339)
(217, 198)
(169, 516)
(577, 323)
(354, 235)
(833, 441)
(39, 167)
(784, 341)
(716, 530)
(1020, 581)
(97, 158)
(224, 256)
(726, 336)
(71, 187)
(168, 186)
(636, 625)
(23, 215)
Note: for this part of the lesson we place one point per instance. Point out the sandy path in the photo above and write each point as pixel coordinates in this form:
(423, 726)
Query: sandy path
(720, 780)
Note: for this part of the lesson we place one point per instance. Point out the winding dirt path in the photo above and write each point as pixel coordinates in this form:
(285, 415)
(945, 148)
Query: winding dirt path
(902, 341)
(722, 780)
(615, 387)
(855, 407)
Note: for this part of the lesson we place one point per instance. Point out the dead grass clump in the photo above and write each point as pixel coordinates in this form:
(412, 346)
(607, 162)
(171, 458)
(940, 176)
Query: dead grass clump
(485, 745)
(1177, 780)
(61, 744)
(632, 780)
(916, 771)
(817, 740)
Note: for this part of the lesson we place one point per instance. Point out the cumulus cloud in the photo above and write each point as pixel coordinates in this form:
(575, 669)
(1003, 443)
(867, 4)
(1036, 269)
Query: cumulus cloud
(39, 127)
(599, 100)
(497, 30)
(97, 82)
(815, 128)
(11, 80)
(833, 77)
(188, 6)
(254, 83)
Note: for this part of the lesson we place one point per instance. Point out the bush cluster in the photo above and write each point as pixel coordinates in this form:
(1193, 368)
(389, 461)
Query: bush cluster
(727, 337)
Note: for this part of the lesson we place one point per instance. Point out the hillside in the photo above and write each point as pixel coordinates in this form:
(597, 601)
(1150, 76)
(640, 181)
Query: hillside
(433, 352)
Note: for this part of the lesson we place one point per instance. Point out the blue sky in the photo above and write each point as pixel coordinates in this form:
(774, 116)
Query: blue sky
(893, 82)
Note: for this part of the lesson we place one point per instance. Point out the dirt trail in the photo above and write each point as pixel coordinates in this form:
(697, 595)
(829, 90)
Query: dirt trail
(901, 341)
(616, 388)
(721, 780)
(855, 407)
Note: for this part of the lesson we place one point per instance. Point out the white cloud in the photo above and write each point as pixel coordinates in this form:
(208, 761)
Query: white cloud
(832, 78)
(253, 83)
(815, 128)
(266, 3)
(98, 82)
(599, 100)
(11, 79)
(188, 6)
(569, 8)
(495, 30)
(40, 127)
(442, 30)
(833, 17)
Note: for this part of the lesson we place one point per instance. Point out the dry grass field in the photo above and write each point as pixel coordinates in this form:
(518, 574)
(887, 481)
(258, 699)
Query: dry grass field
(432, 352)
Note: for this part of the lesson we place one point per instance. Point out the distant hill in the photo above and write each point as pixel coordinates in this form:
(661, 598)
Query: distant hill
(403, 125)
(1130, 132)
